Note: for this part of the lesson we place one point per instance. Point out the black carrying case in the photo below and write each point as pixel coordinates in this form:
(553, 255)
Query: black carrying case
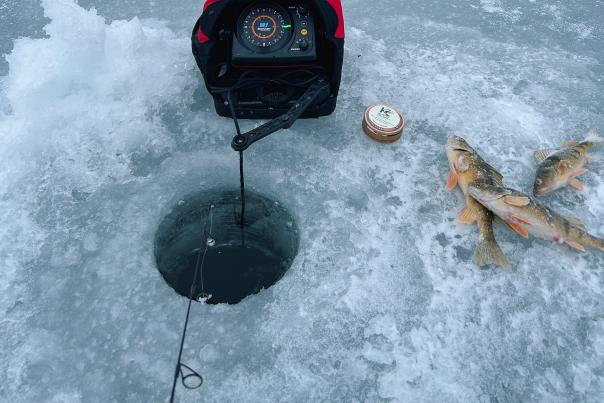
(211, 41)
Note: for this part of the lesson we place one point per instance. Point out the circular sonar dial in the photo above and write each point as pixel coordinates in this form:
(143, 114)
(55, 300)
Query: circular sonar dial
(265, 28)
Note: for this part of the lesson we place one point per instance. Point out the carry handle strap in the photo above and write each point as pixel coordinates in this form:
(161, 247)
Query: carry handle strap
(242, 141)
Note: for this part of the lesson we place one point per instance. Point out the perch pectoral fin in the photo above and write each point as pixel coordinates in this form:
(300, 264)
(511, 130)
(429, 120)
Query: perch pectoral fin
(521, 231)
(520, 220)
(452, 179)
(575, 183)
(518, 201)
(579, 172)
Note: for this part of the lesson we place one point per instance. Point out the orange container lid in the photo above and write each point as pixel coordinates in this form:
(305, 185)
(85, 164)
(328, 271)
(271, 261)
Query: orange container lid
(383, 123)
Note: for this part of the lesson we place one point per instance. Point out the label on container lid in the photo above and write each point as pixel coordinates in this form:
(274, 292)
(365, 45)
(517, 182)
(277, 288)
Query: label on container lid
(384, 117)
(383, 123)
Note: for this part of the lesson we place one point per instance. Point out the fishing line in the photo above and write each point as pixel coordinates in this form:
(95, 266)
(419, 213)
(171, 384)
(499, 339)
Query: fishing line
(241, 177)
(192, 379)
(247, 80)
(242, 187)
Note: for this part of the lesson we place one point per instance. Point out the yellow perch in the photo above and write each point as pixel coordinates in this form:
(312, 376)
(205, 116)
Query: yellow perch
(466, 168)
(559, 168)
(527, 216)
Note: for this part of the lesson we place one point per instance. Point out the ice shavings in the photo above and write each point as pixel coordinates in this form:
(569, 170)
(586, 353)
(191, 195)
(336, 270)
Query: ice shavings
(111, 127)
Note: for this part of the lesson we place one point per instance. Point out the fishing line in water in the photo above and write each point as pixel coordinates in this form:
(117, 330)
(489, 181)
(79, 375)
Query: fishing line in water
(190, 378)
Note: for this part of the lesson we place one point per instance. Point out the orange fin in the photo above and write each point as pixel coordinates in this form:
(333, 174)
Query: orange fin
(576, 245)
(518, 229)
(541, 155)
(520, 220)
(576, 184)
(466, 216)
(452, 179)
(579, 172)
(518, 201)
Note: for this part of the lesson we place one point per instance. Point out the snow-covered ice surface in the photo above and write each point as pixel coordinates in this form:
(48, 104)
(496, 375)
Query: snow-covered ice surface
(104, 124)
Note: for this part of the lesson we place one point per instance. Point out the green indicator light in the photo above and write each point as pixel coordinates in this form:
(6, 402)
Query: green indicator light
(287, 26)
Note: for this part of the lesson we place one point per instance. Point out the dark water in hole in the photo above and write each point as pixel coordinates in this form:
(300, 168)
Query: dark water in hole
(232, 272)
(238, 262)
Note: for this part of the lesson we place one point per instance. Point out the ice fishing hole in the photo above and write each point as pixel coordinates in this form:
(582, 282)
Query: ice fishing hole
(239, 261)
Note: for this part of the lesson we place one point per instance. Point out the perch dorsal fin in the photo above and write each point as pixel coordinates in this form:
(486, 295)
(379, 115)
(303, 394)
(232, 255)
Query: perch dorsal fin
(541, 155)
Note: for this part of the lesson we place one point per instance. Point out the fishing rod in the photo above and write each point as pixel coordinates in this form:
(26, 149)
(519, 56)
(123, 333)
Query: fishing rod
(192, 379)
(240, 143)
(279, 60)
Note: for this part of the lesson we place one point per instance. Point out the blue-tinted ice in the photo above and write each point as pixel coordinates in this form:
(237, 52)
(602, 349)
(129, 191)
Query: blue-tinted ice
(105, 124)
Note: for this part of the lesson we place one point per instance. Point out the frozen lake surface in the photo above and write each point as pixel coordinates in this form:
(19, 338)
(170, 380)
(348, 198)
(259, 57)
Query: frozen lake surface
(105, 124)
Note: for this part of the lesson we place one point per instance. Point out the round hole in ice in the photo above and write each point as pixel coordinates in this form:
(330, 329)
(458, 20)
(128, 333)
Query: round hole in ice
(238, 261)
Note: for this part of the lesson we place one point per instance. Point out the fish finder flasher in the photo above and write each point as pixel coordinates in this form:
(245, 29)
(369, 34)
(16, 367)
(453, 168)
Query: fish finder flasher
(259, 58)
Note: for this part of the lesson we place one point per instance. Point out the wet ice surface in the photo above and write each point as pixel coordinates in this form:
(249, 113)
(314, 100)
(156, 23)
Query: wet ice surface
(105, 125)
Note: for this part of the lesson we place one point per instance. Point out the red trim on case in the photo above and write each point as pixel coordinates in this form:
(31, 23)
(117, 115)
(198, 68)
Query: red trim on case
(337, 7)
(201, 37)
(208, 3)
